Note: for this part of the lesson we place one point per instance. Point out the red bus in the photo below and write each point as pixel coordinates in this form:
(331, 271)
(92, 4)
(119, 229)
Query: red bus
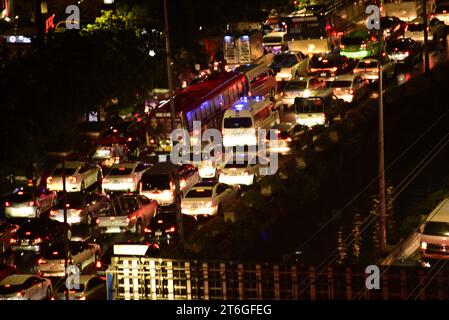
(205, 101)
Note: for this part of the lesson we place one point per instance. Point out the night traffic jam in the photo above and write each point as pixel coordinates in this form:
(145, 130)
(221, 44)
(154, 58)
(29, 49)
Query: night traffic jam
(227, 150)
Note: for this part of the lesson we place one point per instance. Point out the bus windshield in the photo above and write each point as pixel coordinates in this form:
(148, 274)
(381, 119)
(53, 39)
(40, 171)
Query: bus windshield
(352, 41)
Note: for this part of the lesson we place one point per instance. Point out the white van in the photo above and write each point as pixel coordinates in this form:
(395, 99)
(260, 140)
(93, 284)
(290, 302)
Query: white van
(435, 233)
(261, 79)
(275, 42)
(243, 120)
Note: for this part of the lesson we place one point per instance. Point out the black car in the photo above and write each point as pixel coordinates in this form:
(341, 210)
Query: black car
(330, 65)
(405, 51)
(36, 235)
(163, 229)
(392, 27)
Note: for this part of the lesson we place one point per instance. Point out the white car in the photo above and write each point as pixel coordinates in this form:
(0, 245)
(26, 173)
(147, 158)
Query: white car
(25, 287)
(240, 171)
(442, 12)
(368, 68)
(91, 287)
(29, 202)
(209, 198)
(290, 65)
(296, 88)
(125, 177)
(79, 176)
(81, 255)
(205, 162)
(350, 87)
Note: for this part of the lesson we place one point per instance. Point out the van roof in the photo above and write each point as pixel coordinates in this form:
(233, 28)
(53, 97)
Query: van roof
(440, 213)
(275, 34)
(161, 168)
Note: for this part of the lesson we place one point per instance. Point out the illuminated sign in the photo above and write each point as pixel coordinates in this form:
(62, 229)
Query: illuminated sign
(49, 24)
(17, 39)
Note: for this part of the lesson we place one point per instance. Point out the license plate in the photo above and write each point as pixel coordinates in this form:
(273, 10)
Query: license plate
(113, 230)
(158, 233)
(323, 74)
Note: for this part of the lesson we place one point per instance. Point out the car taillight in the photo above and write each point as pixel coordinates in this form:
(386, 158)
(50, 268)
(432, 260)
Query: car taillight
(246, 173)
(49, 179)
(130, 139)
(42, 261)
(72, 179)
(342, 46)
(146, 230)
(105, 180)
(407, 53)
(351, 91)
(208, 204)
(12, 241)
(31, 204)
(363, 46)
(172, 229)
(61, 261)
(7, 204)
(53, 213)
(182, 183)
(97, 221)
(127, 220)
(37, 240)
(98, 264)
(288, 139)
(406, 28)
(20, 294)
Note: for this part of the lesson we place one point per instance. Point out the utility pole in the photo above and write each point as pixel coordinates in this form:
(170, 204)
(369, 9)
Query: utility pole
(66, 238)
(383, 232)
(173, 123)
(426, 37)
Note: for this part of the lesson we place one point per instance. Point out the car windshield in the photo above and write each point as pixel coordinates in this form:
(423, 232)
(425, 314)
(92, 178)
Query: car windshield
(199, 193)
(122, 171)
(68, 171)
(436, 228)
(442, 8)
(309, 105)
(340, 84)
(272, 39)
(387, 22)
(296, 85)
(235, 123)
(74, 200)
(237, 165)
(21, 196)
(56, 252)
(284, 60)
(399, 46)
(351, 41)
(155, 181)
(11, 288)
(415, 27)
(367, 64)
(319, 62)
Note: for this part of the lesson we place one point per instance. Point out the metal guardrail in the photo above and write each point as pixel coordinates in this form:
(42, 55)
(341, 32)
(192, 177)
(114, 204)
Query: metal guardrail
(163, 279)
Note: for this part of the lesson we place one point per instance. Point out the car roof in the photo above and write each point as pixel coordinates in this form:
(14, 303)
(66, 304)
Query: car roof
(161, 168)
(129, 165)
(16, 279)
(440, 213)
(205, 184)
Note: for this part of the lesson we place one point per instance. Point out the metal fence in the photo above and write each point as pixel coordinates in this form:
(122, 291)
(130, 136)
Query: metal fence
(163, 279)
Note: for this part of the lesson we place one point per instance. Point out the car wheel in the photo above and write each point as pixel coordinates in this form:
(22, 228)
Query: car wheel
(49, 293)
(139, 227)
(83, 186)
(38, 213)
(69, 234)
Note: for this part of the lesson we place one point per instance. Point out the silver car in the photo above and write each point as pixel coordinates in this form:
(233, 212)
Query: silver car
(125, 177)
(81, 207)
(209, 198)
(29, 202)
(91, 287)
(25, 287)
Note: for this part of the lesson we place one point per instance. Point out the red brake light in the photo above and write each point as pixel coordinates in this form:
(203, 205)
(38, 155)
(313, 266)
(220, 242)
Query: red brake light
(49, 179)
(42, 261)
(172, 229)
(146, 230)
(31, 203)
(97, 221)
(98, 264)
(7, 204)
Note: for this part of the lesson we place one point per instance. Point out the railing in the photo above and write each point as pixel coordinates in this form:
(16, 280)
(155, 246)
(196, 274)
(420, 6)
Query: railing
(163, 279)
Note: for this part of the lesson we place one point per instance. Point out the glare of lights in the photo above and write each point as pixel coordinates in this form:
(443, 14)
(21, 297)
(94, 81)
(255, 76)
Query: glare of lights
(7, 19)
(306, 93)
(152, 53)
(108, 1)
(201, 28)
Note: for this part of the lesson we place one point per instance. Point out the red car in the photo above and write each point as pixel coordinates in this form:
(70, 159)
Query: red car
(392, 27)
